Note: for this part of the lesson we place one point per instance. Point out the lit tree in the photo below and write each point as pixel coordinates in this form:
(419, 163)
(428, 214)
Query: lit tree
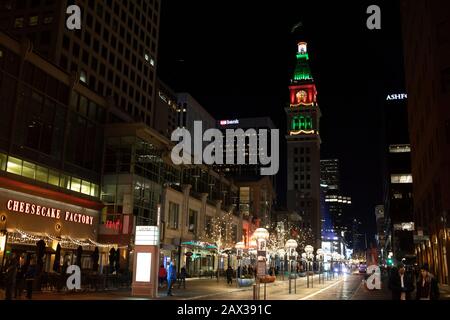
(220, 233)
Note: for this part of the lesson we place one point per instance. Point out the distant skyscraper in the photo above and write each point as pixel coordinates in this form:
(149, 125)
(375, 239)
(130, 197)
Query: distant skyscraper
(303, 145)
(336, 202)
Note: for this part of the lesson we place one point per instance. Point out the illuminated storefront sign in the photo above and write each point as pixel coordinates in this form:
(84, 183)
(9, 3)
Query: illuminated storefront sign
(227, 122)
(53, 213)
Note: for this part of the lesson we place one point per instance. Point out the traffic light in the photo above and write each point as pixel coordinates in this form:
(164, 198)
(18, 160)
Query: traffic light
(389, 262)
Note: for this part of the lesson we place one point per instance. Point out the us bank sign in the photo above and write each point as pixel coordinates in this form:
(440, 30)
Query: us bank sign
(47, 212)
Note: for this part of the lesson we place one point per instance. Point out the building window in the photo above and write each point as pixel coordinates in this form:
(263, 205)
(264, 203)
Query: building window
(192, 221)
(83, 76)
(34, 20)
(401, 178)
(174, 209)
(48, 20)
(18, 23)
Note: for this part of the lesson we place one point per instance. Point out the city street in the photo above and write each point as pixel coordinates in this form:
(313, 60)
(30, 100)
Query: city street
(347, 287)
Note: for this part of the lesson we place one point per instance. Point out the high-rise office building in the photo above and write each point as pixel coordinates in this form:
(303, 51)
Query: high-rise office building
(114, 52)
(398, 181)
(337, 204)
(303, 145)
(426, 39)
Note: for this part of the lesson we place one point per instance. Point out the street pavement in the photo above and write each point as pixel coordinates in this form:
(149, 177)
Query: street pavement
(343, 287)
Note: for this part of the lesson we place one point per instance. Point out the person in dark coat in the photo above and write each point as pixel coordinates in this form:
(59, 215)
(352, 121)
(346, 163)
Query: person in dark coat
(427, 285)
(10, 277)
(230, 275)
(20, 278)
(401, 284)
(183, 275)
(171, 277)
(29, 278)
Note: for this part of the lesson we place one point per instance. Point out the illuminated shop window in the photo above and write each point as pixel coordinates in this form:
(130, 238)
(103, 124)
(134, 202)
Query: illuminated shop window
(3, 158)
(401, 178)
(41, 174)
(35, 172)
(64, 181)
(53, 178)
(14, 166)
(28, 170)
(75, 184)
(86, 187)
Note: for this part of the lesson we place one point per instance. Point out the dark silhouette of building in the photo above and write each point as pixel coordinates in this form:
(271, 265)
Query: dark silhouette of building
(426, 39)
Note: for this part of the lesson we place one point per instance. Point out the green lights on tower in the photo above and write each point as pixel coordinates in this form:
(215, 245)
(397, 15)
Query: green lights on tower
(302, 123)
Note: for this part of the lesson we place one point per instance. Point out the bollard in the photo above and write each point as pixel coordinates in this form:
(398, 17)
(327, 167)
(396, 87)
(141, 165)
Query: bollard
(295, 285)
(254, 293)
(289, 285)
(312, 281)
(307, 280)
(265, 291)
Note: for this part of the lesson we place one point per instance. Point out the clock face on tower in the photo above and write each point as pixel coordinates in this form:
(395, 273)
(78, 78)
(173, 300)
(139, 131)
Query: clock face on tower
(301, 96)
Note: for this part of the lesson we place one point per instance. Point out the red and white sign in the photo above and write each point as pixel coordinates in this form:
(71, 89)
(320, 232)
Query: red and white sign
(47, 212)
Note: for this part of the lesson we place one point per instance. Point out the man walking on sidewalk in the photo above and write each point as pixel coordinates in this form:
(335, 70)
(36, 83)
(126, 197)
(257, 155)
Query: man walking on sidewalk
(171, 277)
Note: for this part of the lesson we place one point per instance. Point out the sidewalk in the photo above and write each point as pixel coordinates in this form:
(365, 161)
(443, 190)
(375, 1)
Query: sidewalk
(197, 289)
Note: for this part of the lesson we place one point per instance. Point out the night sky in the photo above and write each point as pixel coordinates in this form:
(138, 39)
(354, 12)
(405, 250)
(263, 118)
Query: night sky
(237, 57)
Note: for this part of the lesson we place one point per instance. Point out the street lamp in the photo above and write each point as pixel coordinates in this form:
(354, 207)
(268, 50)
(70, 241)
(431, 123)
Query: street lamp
(240, 246)
(282, 253)
(261, 235)
(291, 246)
(319, 258)
(309, 256)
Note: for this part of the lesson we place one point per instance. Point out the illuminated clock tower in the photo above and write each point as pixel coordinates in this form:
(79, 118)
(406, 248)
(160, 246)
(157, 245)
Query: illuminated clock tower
(303, 146)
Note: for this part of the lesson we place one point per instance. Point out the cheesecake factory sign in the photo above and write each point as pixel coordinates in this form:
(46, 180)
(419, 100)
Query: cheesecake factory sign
(47, 212)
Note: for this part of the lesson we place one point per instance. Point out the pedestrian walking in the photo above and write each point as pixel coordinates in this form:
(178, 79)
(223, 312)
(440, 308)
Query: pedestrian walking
(29, 278)
(162, 275)
(171, 277)
(427, 286)
(182, 280)
(401, 284)
(10, 277)
(230, 275)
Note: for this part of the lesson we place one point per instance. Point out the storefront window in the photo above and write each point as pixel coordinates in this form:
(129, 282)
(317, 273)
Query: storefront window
(3, 161)
(42, 174)
(86, 187)
(14, 166)
(95, 191)
(75, 184)
(28, 170)
(64, 181)
(53, 178)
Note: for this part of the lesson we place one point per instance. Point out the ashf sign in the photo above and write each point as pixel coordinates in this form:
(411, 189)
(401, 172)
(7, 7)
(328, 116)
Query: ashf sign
(145, 261)
(400, 96)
